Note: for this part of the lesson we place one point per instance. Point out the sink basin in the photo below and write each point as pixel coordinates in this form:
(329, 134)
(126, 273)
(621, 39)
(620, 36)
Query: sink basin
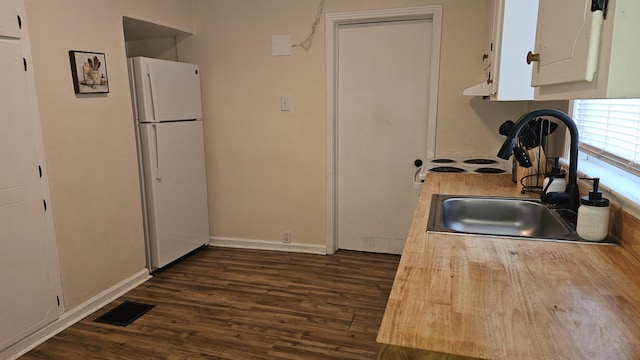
(496, 216)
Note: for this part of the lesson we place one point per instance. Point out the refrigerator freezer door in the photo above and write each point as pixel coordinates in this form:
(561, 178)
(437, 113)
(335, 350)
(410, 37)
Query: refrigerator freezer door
(175, 181)
(167, 90)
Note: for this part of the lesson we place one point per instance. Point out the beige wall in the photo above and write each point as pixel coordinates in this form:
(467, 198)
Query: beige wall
(158, 48)
(89, 140)
(266, 168)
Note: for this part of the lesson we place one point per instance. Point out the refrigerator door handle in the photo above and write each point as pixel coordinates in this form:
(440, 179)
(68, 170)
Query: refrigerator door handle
(155, 156)
(154, 101)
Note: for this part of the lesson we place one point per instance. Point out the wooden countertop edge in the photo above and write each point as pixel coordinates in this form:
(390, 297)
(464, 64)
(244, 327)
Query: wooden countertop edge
(516, 260)
(384, 351)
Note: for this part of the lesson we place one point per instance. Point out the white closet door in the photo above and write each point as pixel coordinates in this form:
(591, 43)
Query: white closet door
(9, 23)
(28, 301)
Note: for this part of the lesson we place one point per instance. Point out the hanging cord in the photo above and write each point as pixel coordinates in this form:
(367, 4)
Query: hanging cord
(306, 43)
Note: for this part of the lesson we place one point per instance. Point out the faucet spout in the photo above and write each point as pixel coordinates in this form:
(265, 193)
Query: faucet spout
(572, 184)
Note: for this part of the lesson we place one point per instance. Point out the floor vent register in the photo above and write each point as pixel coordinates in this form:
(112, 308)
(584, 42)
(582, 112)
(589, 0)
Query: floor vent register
(125, 313)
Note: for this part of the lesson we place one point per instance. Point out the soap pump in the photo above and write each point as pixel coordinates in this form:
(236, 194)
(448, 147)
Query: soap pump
(593, 215)
(554, 180)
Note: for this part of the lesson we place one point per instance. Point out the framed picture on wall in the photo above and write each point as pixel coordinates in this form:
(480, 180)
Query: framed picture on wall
(89, 72)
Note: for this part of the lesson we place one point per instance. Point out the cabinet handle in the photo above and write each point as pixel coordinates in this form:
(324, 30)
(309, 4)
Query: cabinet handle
(485, 57)
(531, 57)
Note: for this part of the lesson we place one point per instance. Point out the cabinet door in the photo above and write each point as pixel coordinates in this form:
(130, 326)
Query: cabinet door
(567, 41)
(517, 33)
(512, 33)
(28, 301)
(10, 22)
(495, 18)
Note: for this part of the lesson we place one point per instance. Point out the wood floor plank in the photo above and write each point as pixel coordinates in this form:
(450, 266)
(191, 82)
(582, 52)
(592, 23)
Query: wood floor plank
(244, 304)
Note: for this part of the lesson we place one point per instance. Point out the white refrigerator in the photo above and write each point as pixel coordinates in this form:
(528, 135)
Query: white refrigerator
(168, 111)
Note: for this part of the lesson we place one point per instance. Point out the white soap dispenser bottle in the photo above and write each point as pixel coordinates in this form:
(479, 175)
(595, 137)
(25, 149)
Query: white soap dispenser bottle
(554, 180)
(593, 215)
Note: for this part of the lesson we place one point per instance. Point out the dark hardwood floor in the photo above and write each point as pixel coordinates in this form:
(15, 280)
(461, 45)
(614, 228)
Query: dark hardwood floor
(244, 304)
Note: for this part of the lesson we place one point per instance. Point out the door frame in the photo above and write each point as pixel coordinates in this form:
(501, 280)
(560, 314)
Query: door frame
(333, 21)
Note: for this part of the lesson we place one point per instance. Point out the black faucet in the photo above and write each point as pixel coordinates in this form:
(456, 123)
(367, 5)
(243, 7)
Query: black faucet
(570, 198)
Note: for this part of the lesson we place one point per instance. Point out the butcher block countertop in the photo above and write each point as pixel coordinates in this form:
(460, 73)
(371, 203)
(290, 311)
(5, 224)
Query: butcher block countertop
(466, 297)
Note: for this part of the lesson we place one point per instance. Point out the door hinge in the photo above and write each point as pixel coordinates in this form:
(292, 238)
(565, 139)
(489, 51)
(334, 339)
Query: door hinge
(40, 171)
(24, 61)
(58, 300)
(19, 22)
(600, 5)
(45, 204)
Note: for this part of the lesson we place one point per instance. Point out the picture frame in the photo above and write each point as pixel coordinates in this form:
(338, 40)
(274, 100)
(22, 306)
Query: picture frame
(89, 72)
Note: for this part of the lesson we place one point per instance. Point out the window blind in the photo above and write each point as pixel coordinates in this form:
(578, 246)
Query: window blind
(610, 130)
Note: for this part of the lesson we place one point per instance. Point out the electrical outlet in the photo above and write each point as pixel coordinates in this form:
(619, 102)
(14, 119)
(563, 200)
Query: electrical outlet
(286, 237)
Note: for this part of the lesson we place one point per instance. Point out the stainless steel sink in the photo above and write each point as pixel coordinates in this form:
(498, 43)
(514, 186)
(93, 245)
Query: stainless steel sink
(496, 216)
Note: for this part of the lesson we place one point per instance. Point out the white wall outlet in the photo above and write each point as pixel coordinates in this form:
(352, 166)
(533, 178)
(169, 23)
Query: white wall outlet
(286, 237)
(285, 103)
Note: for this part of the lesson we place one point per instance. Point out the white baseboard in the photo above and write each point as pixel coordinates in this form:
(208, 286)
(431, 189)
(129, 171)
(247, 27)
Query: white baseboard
(241, 243)
(74, 315)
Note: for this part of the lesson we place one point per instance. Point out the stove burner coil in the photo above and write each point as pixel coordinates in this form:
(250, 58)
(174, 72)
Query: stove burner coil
(443, 161)
(448, 169)
(489, 170)
(480, 161)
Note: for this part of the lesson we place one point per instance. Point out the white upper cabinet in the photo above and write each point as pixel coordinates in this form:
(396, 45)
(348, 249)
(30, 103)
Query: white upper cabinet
(568, 50)
(10, 21)
(582, 52)
(513, 28)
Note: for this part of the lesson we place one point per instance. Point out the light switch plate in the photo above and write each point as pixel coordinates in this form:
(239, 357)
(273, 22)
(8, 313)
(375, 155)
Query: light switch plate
(285, 103)
(280, 45)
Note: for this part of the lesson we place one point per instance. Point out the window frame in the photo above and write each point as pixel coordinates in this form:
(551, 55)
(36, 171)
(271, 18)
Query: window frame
(615, 160)
(618, 183)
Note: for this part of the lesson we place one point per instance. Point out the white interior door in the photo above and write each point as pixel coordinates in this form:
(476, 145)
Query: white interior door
(27, 279)
(383, 77)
